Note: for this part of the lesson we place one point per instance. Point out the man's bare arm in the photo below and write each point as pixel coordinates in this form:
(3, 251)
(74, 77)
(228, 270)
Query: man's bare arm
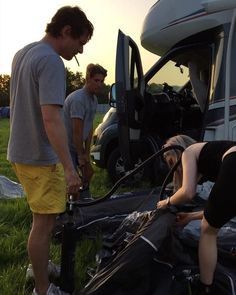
(57, 136)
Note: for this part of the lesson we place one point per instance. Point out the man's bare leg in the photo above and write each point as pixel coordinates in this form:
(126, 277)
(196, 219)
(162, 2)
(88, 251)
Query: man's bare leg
(39, 247)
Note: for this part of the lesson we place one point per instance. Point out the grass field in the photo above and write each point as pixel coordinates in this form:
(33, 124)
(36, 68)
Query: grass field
(15, 220)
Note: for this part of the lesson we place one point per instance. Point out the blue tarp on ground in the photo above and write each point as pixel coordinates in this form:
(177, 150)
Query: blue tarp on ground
(4, 112)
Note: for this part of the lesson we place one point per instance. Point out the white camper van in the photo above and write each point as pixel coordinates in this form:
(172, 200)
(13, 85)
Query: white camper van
(191, 87)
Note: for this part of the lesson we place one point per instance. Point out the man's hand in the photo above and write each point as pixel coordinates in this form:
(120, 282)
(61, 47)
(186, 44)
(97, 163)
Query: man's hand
(73, 182)
(82, 160)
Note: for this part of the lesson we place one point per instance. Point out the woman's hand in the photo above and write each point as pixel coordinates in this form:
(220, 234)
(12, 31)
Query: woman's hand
(184, 218)
(162, 204)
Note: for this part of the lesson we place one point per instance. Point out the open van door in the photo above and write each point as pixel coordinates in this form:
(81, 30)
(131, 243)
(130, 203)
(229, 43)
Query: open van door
(128, 95)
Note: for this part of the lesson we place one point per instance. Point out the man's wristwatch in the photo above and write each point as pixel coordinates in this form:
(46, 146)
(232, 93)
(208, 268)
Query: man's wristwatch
(168, 204)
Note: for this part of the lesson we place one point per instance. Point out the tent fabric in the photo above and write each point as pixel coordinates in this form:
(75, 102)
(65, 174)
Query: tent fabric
(10, 189)
(158, 264)
(107, 215)
(136, 260)
(142, 252)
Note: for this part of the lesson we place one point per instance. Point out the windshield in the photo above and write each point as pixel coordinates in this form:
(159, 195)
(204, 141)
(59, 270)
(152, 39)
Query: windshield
(171, 74)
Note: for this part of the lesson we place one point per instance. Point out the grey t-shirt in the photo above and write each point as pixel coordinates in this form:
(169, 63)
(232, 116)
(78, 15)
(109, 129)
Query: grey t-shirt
(79, 104)
(38, 78)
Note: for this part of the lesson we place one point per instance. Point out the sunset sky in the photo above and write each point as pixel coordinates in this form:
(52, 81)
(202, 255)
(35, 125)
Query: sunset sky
(24, 21)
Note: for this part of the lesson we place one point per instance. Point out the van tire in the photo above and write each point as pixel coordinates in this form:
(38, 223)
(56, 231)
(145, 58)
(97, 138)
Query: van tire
(115, 167)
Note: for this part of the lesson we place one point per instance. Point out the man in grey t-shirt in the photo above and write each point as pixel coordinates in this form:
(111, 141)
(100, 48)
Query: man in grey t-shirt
(38, 146)
(79, 111)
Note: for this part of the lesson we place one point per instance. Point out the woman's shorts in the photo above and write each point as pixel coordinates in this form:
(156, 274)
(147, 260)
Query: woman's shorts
(221, 205)
(44, 186)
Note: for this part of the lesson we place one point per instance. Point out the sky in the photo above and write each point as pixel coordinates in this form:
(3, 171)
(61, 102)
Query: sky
(24, 21)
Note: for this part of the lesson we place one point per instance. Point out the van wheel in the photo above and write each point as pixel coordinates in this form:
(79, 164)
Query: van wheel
(115, 167)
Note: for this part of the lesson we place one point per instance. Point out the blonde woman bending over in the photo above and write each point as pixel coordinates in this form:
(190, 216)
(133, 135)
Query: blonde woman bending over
(216, 162)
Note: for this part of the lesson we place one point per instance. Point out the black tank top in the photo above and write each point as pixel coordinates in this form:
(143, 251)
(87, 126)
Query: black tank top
(210, 158)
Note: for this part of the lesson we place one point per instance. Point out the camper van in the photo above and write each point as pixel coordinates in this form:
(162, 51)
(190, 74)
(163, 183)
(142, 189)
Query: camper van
(189, 90)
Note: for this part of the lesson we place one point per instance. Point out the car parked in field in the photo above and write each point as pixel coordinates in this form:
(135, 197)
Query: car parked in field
(105, 152)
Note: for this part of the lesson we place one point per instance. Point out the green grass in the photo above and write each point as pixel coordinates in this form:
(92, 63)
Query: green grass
(98, 119)
(5, 168)
(15, 222)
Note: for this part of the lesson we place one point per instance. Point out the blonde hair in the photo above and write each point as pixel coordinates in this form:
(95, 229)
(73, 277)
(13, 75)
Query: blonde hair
(184, 141)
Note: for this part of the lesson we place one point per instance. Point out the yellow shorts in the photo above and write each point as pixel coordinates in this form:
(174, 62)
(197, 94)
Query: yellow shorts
(44, 186)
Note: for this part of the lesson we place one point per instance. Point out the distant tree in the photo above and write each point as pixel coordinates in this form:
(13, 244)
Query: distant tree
(154, 88)
(74, 81)
(4, 90)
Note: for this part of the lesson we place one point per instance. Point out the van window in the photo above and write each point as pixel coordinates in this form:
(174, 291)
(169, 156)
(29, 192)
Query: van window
(171, 74)
(188, 70)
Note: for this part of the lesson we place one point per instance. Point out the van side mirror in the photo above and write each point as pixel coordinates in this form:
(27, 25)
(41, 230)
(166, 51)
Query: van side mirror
(112, 96)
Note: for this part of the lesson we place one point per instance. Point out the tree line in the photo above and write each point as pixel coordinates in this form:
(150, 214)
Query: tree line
(73, 81)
